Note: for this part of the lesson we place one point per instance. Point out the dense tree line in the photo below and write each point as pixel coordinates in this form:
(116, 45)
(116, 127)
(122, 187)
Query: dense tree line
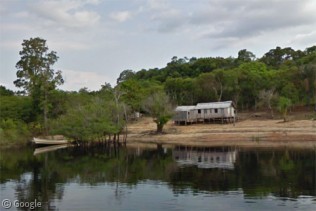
(249, 81)
(281, 78)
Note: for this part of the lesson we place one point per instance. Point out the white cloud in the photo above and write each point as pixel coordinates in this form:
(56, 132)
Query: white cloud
(121, 16)
(304, 38)
(225, 18)
(164, 16)
(63, 13)
(157, 4)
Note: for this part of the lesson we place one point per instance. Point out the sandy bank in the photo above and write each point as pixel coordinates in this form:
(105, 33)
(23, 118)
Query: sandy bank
(247, 133)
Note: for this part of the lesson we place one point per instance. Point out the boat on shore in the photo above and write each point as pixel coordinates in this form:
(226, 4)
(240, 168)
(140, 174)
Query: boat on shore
(48, 141)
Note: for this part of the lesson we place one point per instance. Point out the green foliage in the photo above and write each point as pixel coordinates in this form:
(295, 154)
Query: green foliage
(184, 91)
(245, 56)
(16, 108)
(134, 93)
(13, 132)
(278, 56)
(283, 105)
(36, 76)
(308, 81)
(188, 81)
(184, 67)
(290, 91)
(90, 121)
(160, 109)
(125, 75)
(5, 92)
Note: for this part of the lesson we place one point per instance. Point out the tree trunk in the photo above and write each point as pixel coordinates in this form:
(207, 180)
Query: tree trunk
(284, 115)
(221, 93)
(159, 127)
(45, 112)
(272, 113)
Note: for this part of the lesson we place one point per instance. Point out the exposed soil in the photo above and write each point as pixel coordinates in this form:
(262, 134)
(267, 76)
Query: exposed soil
(250, 131)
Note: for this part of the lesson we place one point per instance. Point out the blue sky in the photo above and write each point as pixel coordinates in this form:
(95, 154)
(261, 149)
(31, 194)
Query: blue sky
(98, 39)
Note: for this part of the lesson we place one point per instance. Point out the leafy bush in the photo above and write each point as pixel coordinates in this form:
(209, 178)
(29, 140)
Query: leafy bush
(13, 132)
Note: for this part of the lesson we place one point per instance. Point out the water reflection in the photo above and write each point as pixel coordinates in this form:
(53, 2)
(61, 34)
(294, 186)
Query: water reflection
(68, 175)
(45, 149)
(205, 157)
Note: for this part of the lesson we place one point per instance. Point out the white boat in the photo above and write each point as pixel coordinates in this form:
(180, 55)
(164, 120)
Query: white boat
(49, 141)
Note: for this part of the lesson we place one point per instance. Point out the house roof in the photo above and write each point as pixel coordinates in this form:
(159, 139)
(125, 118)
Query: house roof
(225, 104)
(184, 108)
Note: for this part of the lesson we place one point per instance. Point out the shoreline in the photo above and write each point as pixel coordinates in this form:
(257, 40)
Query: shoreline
(246, 133)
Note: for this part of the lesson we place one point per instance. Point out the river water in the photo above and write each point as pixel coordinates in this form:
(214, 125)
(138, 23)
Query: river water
(159, 178)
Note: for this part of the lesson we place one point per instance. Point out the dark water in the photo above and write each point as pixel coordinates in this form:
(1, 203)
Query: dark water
(158, 178)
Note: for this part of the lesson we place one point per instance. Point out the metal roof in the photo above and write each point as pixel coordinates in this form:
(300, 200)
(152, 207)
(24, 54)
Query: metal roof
(184, 108)
(225, 104)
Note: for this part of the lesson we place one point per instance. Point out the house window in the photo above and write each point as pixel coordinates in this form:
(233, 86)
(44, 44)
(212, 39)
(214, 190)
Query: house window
(205, 111)
(210, 111)
(199, 111)
(216, 110)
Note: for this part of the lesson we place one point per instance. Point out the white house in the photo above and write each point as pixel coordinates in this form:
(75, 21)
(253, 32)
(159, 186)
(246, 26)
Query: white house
(184, 114)
(206, 112)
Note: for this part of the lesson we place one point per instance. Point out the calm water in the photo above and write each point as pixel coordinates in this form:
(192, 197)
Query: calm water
(158, 178)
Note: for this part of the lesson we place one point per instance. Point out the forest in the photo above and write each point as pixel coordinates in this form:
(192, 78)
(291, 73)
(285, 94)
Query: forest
(283, 78)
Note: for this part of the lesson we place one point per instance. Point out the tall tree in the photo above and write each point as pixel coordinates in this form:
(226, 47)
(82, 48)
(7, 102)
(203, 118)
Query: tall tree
(245, 56)
(35, 74)
(125, 75)
(159, 107)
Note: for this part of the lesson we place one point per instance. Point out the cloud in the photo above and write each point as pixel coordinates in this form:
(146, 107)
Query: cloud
(157, 4)
(231, 19)
(303, 39)
(252, 17)
(121, 16)
(163, 16)
(62, 13)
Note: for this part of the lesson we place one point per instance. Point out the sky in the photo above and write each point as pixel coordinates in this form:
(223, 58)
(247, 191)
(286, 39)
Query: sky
(97, 39)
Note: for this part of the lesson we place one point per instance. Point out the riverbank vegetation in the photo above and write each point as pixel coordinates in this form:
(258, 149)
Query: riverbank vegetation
(282, 79)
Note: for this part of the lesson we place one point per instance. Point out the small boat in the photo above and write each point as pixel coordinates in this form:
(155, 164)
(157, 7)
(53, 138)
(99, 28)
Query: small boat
(49, 141)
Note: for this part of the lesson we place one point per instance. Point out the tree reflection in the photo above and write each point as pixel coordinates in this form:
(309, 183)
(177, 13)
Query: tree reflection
(258, 173)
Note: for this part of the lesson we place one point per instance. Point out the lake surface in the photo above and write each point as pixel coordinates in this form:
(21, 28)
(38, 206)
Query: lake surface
(158, 178)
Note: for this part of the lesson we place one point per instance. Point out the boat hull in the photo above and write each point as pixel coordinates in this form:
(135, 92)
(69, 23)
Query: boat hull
(48, 141)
